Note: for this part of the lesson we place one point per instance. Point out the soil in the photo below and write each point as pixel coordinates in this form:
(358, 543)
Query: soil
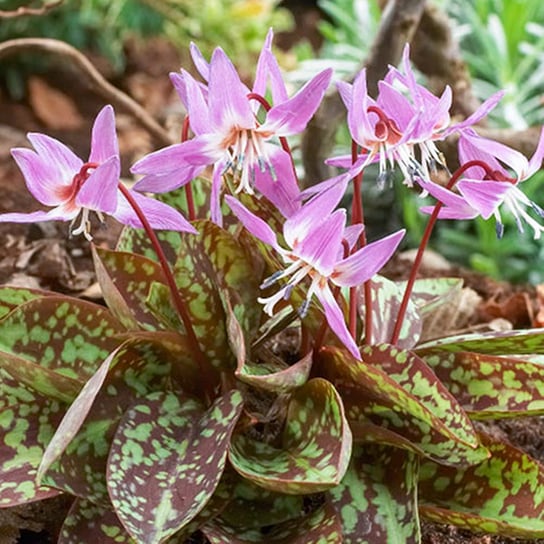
(45, 256)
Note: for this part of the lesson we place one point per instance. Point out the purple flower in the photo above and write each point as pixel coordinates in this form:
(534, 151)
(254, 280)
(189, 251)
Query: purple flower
(481, 194)
(228, 134)
(403, 116)
(56, 177)
(314, 236)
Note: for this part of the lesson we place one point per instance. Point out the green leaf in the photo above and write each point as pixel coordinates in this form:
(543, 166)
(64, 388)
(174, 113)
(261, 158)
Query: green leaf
(11, 297)
(430, 293)
(315, 448)
(377, 498)
(386, 297)
(125, 280)
(369, 393)
(490, 386)
(521, 342)
(67, 335)
(75, 459)
(173, 452)
(27, 423)
(321, 526)
(502, 495)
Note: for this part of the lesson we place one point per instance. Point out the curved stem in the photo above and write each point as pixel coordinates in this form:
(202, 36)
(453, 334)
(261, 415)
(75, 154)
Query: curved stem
(179, 304)
(424, 242)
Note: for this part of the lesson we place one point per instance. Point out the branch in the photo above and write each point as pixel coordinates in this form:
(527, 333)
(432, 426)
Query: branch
(97, 82)
(22, 10)
(399, 22)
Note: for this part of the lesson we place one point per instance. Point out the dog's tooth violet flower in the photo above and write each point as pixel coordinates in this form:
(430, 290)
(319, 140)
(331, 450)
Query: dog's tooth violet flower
(314, 236)
(58, 178)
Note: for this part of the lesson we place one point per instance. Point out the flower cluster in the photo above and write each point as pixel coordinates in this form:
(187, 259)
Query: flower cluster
(240, 136)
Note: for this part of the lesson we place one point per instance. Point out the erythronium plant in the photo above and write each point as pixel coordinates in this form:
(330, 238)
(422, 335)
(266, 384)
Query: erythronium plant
(172, 415)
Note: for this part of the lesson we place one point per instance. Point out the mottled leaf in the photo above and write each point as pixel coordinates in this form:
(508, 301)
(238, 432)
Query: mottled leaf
(12, 296)
(490, 386)
(321, 526)
(520, 342)
(76, 458)
(67, 335)
(315, 450)
(27, 423)
(429, 294)
(377, 498)
(369, 393)
(173, 452)
(386, 296)
(125, 280)
(503, 495)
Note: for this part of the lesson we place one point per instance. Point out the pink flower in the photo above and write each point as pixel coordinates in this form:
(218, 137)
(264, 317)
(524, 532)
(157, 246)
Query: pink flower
(314, 236)
(56, 177)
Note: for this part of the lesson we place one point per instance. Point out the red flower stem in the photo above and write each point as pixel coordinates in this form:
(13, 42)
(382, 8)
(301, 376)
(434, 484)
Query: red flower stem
(424, 242)
(179, 304)
(357, 216)
(188, 188)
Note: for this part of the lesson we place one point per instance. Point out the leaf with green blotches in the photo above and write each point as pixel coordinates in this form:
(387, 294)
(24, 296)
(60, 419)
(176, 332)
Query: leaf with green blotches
(369, 393)
(377, 498)
(502, 495)
(386, 297)
(277, 380)
(429, 294)
(322, 526)
(12, 296)
(172, 452)
(75, 459)
(27, 423)
(125, 280)
(490, 386)
(67, 335)
(316, 445)
(520, 342)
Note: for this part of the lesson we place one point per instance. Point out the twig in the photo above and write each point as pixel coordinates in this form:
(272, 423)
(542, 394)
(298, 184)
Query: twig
(399, 23)
(97, 82)
(22, 10)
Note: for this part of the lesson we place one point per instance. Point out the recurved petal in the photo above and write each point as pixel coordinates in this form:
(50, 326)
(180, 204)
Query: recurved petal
(196, 103)
(100, 191)
(336, 320)
(252, 223)
(536, 160)
(42, 178)
(228, 102)
(292, 116)
(104, 138)
(168, 181)
(56, 214)
(484, 196)
(367, 261)
(455, 205)
(160, 215)
(304, 220)
(200, 62)
(53, 152)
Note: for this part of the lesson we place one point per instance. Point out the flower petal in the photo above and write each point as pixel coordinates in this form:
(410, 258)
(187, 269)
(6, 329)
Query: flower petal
(56, 214)
(100, 191)
(536, 160)
(51, 151)
(194, 101)
(104, 138)
(456, 207)
(367, 261)
(168, 181)
(336, 320)
(159, 214)
(42, 178)
(292, 116)
(252, 223)
(484, 196)
(200, 62)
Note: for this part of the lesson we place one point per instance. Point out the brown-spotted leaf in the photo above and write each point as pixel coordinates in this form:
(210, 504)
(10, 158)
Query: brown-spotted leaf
(67, 335)
(520, 342)
(75, 460)
(369, 393)
(377, 498)
(315, 450)
(429, 294)
(503, 494)
(27, 423)
(322, 526)
(125, 280)
(490, 386)
(172, 451)
(12, 296)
